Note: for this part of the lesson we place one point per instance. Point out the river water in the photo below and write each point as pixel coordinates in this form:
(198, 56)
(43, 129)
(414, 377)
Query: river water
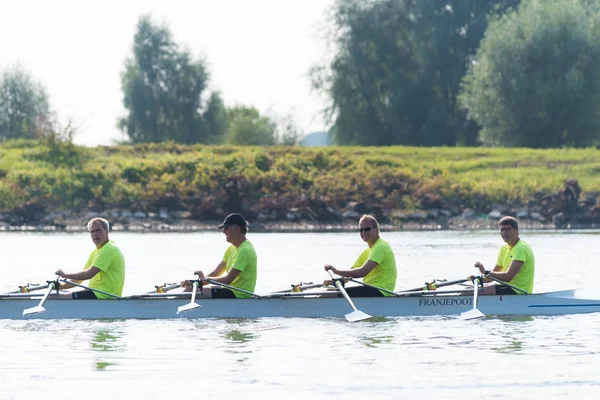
(386, 358)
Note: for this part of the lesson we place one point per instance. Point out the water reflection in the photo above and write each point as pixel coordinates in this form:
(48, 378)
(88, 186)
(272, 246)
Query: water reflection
(106, 341)
(514, 346)
(375, 341)
(239, 336)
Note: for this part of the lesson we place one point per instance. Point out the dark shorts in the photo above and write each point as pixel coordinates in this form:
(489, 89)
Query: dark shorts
(221, 293)
(504, 290)
(363, 291)
(84, 295)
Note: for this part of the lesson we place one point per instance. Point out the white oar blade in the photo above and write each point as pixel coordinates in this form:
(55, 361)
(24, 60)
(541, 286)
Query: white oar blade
(357, 316)
(34, 310)
(472, 314)
(187, 307)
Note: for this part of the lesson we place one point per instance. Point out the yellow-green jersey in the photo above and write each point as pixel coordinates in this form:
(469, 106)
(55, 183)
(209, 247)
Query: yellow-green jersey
(384, 274)
(242, 258)
(520, 252)
(111, 263)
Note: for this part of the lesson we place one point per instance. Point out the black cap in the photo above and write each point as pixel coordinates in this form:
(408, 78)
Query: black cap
(233, 219)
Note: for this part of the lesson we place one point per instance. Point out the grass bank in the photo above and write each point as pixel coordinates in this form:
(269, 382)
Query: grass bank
(210, 180)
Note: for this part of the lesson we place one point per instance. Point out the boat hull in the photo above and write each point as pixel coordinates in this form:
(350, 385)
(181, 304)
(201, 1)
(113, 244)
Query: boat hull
(553, 303)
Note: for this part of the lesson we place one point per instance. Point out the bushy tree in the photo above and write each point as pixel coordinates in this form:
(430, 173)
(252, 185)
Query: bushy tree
(535, 82)
(24, 106)
(164, 88)
(397, 69)
(248, 127)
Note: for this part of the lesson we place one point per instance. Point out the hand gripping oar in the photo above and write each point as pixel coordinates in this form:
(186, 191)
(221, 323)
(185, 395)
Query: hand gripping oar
(474, 313)
(40, 307)
(356, 315)
(192, 304)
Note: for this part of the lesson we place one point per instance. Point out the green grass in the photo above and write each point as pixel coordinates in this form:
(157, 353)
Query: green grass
(71, 177)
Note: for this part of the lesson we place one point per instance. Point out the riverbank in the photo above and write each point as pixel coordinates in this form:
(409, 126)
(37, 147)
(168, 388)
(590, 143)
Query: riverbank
(170, 187)
(172, 225)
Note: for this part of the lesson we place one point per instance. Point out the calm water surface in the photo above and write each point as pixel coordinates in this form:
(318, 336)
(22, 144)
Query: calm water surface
(388, 358)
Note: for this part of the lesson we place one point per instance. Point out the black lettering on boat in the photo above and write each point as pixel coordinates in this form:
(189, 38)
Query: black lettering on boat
(446, 301)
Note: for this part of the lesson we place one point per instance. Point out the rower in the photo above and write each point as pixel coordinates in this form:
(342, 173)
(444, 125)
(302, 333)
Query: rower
(238, 267)
(376, 264)
(105, 267)
(515, 264)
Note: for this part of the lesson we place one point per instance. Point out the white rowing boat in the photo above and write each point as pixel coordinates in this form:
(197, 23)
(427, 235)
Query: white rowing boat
(301, 305)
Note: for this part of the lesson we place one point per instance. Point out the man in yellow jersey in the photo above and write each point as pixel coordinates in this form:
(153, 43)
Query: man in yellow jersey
(238, 267)
(515, 264)
(376, 264)
(105, 268)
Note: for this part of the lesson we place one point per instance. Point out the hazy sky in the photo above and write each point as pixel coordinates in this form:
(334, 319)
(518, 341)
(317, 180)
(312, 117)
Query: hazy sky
(258, 51)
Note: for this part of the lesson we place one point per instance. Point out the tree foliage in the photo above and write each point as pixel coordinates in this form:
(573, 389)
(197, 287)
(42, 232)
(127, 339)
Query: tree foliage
(536, 80)
(398, 67)
(24, 106)
(248, 127)
(164, 89)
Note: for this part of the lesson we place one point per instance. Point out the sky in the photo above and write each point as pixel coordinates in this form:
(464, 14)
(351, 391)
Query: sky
(259, 53)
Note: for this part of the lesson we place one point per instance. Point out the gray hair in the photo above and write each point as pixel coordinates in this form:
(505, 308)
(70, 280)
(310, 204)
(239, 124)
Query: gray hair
(103, 221)
(370, 218)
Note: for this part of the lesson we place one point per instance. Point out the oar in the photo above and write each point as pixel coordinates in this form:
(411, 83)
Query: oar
(165, 288)
(192, 304)
(507, 284)
(232, 288)
(89, 288)
(40, 307)
(434, 285)
(356, 315)
(302, 287)
(27, 288)
(474, 313)
(371, 286)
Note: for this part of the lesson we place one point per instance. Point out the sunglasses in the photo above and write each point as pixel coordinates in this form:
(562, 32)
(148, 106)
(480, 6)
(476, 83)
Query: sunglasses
(367, 229)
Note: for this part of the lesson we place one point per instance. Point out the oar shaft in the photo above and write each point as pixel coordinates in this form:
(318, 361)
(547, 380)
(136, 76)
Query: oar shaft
(371, 286)
(437, 285)
(194, 290)
(507, 284)
(212, 281)
(89, 288)
(342, 290)
(29, 288)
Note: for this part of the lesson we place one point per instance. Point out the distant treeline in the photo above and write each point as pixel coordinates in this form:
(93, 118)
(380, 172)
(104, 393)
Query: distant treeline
(210, 181)
(514, 73)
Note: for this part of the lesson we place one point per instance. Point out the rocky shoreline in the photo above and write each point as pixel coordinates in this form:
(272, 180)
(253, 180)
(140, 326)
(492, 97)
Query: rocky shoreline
(153, 224)
(567, 209)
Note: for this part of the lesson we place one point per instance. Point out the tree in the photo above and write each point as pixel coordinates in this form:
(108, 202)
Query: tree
(535, 82)
(287, 131)
(248, 127)
(24, 106)
(163, 89)
(398, 67)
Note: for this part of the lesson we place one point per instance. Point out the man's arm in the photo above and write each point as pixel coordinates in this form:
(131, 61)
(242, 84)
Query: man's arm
(227, 279)
(361, 272)
(217, 271)
(84, 275)
(509, 274)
